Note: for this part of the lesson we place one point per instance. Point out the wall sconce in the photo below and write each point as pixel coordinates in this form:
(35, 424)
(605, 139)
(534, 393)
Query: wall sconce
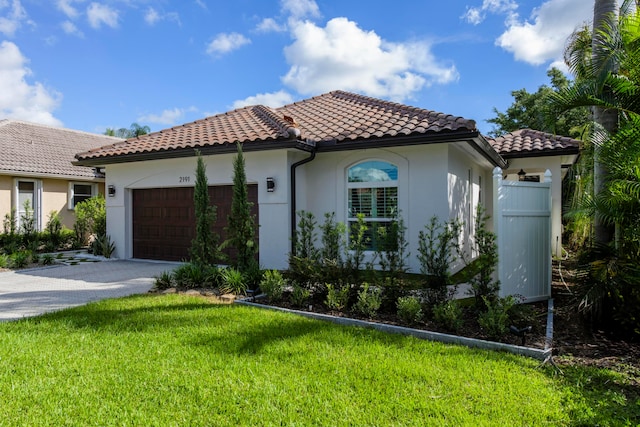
(111, 190)
(521, 175)
(271, 185)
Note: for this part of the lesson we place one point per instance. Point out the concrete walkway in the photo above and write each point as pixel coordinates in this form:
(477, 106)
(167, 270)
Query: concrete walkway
(26, 293)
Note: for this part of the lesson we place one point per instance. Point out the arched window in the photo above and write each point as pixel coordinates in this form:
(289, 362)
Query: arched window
(372, 190)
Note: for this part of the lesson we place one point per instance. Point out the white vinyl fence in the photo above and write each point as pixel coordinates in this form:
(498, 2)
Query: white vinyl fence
(522, 223)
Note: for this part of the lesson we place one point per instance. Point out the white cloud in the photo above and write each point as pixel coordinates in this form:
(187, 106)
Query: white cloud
(273, 99)
(226, 42)
(542, 38)
(21, 100)
(14, 18)
(202, 4)
(152, 16)
(343, 56)
(167, 117)
(475, 15)
(99, 14)
(71, 29)
(66, 6)
(269, 25)
(299, 9)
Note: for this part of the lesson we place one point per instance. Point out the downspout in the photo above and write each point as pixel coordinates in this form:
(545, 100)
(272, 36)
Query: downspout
(294, 166)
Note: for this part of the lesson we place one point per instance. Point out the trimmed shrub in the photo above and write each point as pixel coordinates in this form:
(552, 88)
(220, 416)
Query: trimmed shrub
(448, 315)
(337, 296)
(409, 309)
(273, 284)
(369, 301)
(299, 295)
(495, 321)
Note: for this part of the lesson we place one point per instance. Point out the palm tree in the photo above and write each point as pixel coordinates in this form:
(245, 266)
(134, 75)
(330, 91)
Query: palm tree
(605, 62)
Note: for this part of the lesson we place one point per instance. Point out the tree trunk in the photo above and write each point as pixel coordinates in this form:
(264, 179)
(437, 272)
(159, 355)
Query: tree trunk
(603, 10)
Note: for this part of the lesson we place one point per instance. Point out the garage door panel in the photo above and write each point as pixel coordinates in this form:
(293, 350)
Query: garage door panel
(164, 220)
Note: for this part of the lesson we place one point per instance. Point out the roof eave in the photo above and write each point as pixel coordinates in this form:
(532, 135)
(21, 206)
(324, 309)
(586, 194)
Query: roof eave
(191, 152)
(542, 153)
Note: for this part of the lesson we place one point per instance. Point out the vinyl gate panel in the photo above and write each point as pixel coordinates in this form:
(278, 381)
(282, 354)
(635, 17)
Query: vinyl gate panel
(164, 220)
(523, 227)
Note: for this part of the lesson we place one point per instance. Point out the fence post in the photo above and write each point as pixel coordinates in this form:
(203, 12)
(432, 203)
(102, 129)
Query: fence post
(497, 221)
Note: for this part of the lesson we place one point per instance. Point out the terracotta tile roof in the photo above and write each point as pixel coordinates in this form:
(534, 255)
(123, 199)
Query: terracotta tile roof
(30, 148)
(333, 118)
(527, 142)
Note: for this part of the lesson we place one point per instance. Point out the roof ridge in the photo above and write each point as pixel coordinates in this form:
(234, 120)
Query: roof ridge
(287, 128)
(5, 122)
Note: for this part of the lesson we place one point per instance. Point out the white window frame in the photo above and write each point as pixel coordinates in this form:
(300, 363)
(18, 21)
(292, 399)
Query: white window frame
(370, 185)
(71, 192)
(37, 200)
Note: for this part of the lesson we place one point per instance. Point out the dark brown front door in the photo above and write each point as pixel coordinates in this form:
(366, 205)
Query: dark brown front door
(164, 220)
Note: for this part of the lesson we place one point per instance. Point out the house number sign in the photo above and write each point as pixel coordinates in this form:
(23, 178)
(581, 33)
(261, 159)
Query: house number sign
(183, 179)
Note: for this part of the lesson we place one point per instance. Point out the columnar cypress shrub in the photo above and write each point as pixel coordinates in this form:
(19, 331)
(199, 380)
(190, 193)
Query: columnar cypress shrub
(241, 228)
(204, 247)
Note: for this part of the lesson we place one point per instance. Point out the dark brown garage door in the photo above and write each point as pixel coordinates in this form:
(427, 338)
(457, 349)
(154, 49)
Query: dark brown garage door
(164, 221)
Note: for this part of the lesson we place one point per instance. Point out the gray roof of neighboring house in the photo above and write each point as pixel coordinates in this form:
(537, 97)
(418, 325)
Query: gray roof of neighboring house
(40, 150)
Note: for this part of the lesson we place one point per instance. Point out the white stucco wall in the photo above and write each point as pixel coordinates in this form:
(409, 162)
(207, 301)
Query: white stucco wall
(432, 180)
(180, 172)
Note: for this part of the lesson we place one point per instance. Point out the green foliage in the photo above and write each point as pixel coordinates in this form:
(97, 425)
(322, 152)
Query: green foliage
(369, 301)
(20, 259)
(358, 243)
(392, 251)
(337, 296)
(273, 284)
(483, 285)
(164, 280)
(5, 261)
(242, 225)
(28, 223)
(232, 281)
(10, 223)
(531, 111)
(448, 314)
(437, 247)
(204, 248)
(333, 240)
(133, 131)
(47, 259)
(191, 276)
(299, 295)
(304, 263)
(409, 310)
(608, 290)
(102, 245)
(495, 320)
(54, 228)
(91, 219)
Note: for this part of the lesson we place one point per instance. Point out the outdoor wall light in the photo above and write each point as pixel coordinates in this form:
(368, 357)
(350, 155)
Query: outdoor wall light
(111, 190)
(271, 185)
(521, 175)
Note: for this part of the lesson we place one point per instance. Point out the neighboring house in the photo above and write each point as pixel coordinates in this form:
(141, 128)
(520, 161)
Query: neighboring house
(338, 152)
(35, 166)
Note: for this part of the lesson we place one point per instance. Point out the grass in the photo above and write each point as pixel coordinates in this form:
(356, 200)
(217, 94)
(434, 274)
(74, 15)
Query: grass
(179, 360)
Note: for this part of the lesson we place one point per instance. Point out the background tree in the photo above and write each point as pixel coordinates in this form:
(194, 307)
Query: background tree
(134, 130)
(531, 110)
(242, 227)
(204, 248)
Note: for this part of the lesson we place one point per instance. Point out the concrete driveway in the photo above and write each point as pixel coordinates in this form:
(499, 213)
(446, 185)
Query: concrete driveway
(32, 292)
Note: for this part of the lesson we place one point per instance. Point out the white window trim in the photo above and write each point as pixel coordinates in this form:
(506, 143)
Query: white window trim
(37, 209)
(71, 193)
(402, 183)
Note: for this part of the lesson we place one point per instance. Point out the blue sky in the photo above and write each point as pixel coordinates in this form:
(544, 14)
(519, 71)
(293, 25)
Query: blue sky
(89, 65)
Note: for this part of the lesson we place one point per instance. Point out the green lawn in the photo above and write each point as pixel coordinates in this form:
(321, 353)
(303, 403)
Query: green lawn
(178, 360)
